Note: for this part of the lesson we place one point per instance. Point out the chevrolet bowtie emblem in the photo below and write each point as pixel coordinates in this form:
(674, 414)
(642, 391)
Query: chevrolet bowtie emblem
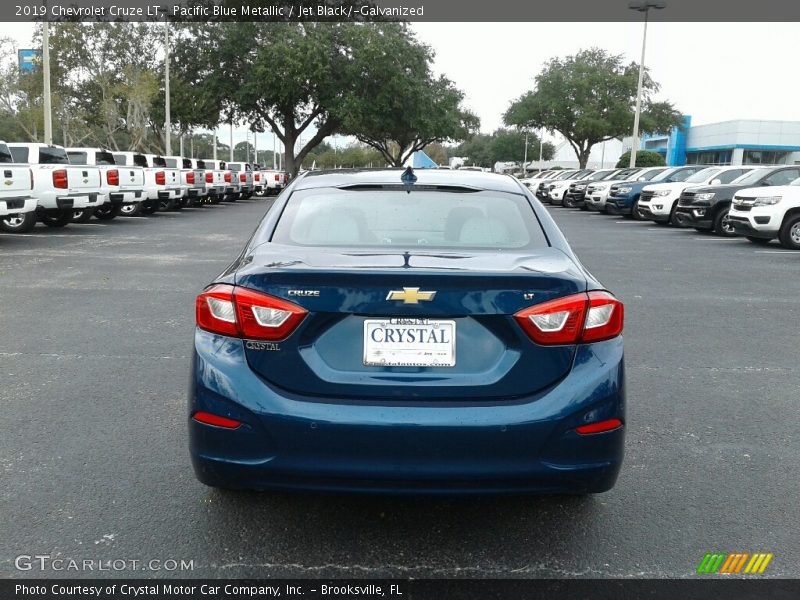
(410, 295)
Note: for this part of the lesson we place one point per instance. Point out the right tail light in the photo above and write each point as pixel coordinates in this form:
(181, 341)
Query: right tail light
(577, 319)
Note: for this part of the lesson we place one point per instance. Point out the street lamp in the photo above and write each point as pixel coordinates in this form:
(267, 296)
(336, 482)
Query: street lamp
(642, 6)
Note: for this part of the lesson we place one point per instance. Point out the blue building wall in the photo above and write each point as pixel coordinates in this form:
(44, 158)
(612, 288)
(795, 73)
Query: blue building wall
(676, 146)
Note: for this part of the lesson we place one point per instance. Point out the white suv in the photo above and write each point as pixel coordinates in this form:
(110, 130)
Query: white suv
(765, 213)
(658, 201)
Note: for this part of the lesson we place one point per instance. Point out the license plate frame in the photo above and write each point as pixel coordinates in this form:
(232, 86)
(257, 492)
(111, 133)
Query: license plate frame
(440, 353)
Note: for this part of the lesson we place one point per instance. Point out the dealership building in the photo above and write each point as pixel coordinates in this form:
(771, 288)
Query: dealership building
(739, 142)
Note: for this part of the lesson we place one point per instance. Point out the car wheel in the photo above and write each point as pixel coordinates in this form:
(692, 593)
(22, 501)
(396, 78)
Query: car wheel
(82, 216)
(22, 223)
(150, 207)
(722, 224)
(131, 210)
(789, 235)
(674, 218)
(107, 212)
(62, 219)
(758, 241)
(567, 202)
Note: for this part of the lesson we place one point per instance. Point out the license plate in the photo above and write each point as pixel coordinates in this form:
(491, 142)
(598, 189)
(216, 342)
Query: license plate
(412, 342)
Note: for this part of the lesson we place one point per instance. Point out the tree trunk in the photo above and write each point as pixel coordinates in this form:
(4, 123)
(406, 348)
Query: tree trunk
(290, 164)
(583, 157)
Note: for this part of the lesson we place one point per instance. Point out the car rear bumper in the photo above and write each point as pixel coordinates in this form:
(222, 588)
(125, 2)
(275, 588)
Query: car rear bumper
(17, 206)
(517, 445)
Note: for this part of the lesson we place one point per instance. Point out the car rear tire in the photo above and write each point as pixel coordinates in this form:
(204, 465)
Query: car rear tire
(131, 210)
(62, 219)
(82, 216)
(722, 225)
(789, 235)
(758, 241)
(23, 223)
(106, 212)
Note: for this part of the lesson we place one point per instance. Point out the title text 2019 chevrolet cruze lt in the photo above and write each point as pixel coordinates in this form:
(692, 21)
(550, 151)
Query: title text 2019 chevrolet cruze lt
(401, 332)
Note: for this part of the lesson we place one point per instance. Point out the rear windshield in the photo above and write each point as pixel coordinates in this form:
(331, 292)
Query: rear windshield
(140, 160)
(5, 154)
(52, 156)
(234, 167)
(201, 164)
(20, 154)
(397, 219)
(171, 163)
(104, 158)
(77, 158)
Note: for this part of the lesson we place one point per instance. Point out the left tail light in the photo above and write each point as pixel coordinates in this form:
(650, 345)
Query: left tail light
(243, 313)
(257, 176)
(277, 177)
(190, 177)
(228, 177)
(112, 177)
(161, 178)
(209, 177)
(242, 177)
(580, 318)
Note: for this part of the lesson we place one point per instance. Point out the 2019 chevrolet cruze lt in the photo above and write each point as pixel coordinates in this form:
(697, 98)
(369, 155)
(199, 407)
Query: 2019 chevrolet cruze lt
(407, 332)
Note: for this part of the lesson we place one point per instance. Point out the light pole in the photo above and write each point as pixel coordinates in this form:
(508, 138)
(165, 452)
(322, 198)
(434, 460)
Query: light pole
(525, 160)
(48, 113)
(643, 6)
(167, 140)
(541, 145)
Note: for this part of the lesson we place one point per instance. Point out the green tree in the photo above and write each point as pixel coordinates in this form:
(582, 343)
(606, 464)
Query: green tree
(644, 158)
(503, 145)
(589, 98)
(401, 107)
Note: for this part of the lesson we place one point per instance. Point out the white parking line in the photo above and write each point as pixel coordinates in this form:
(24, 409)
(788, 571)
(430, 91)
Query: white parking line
(713, 239)
(666, 229)
(778, 252)
(630, 221)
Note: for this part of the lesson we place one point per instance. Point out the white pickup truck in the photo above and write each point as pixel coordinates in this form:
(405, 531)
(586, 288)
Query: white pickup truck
(230, 179)
(274, 181)
(171, 189)
(17, 205)
(259, 180)
(59, 187)
(244, 172)
(764, 213)
(191, 177)
(135, 165)
(214, 178)
(120, 186)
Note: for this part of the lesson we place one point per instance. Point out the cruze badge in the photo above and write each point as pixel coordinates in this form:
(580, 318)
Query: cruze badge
(410, 295)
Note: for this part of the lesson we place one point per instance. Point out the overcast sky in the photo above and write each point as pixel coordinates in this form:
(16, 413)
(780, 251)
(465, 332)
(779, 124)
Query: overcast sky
(712, 71)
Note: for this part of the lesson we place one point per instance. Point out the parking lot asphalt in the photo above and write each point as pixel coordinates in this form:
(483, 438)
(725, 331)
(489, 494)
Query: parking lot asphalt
(96, 326)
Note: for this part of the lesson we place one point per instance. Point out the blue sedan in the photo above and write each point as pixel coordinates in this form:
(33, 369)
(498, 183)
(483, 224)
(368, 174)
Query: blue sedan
(394, 331)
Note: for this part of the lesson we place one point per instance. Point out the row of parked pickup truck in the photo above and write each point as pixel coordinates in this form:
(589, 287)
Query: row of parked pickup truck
(56, 185)
(758, 202)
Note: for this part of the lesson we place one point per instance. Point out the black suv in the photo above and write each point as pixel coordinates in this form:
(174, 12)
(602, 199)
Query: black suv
(706, 208)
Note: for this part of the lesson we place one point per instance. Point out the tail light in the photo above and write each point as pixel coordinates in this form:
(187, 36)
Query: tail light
(60, 179)
(228, 177)
(599, 427)
(277, 177)
(209, 177)
(242, 177)
(243, 313)
(190, 177)
(112, 177)
(257, 176)
(580, 318)
(161, 178)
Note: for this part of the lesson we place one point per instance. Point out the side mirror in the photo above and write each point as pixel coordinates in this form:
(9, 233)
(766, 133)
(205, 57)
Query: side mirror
(715, 182)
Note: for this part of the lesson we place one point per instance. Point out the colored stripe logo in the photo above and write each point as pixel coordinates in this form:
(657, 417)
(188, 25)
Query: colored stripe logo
(738, 562)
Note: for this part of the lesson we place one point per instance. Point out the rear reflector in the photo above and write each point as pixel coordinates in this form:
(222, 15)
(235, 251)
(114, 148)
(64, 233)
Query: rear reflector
(243, 313)
(580, 318)
(216, 420)
(599, 427)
